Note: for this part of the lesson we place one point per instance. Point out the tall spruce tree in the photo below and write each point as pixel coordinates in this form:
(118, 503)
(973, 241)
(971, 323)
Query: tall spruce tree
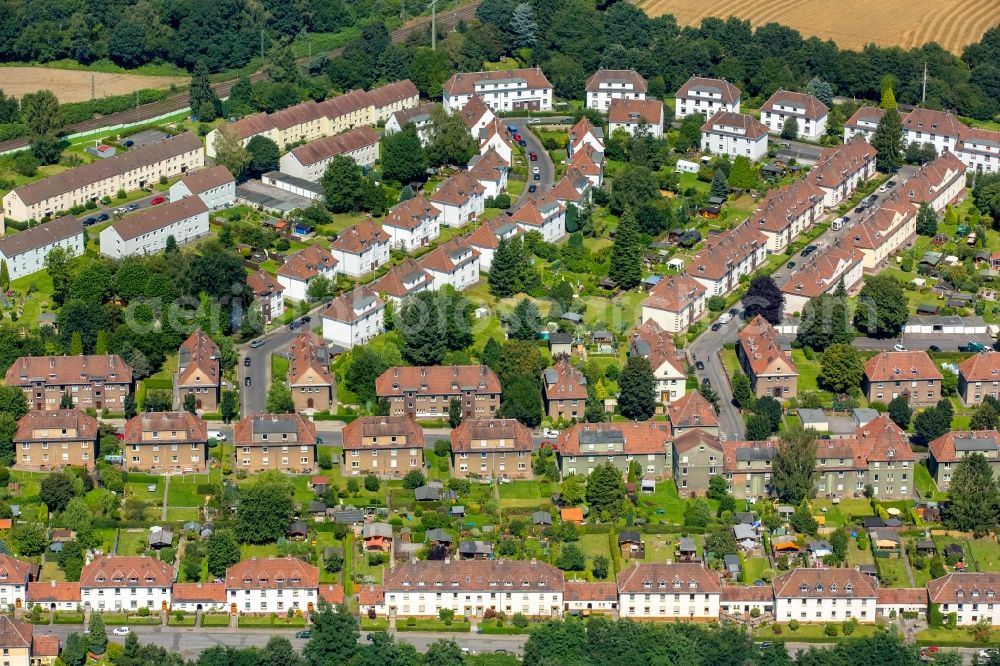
(636, 394)
(626, 254)
(202, 97)
(974, 504)
(720, 184)
(888, 141)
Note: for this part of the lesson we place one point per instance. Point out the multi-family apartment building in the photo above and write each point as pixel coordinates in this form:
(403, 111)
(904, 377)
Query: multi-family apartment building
(50, 440)
(215, 186)
(476, 115)
(165, 443)
(950, 448)
(127, 171)
(675, 302)
(126, 583)
(461, 199)
(911, 374)
(15, 575)
(303, 266)
(198, 372)
(147, 231)
(937, 128)
(979, 150)
(421, 117)
(454, 263)
(679, 591)
(787, 212)
(310, 161)
(824, 595)
(606, 85)
(840, 169)
(692, 412)
(565, 390)
(285, 442)
(769, 367)
(96, 382)
(726, 257)
(822, 273)
(25, 252)
(309, 375)
(972, 597)
(883, 232)
(268, 294)
(888, 459)
(978, 377)
(387, 446)
(655, 343)
(628, 114)
(584, 446)
(486, 238)
(491, 449)
(427, 392)
(406, 279)
(747, 467)
(863, 123)
(413, 223)
(697, 458)
(504, 90)
(54, 595)
(354, 318)
(544, 215)
(361, 249)
(809, 113)
(495, 137)
(273, 585)
(491, 171)
(734, 134)
(584, 135)
(20, 647)
(707, 97)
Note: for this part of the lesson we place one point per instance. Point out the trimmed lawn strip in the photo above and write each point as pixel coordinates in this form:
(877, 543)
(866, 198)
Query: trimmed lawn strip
(186, 621)
(374, 625)
(427, 624)
(149, 620)
(215, 620)
(271, 621)
(811, 633)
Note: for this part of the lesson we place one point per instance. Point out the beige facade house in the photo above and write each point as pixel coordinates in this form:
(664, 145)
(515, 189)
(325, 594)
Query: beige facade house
(427, 392)
(166, 443)
(47, 441)
(652, 342)
(565, 392)
(309, 374)
(911, 374)
(697, 457)
(978, 377)
(198, 372)
(769, 367)
(285, 442)
(98, 382)
(491, 449)
(387, 446)
(15, 642)
(586, 445)
(950, 448)
(692, 412)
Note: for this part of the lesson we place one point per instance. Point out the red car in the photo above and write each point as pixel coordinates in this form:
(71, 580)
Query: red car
(157, 201)
(533, 156)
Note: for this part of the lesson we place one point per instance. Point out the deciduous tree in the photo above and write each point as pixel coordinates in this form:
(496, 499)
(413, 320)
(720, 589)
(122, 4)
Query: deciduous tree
(265, 508)
(882, 309)
(763, 297)
(794, 467)
(264, 154)
(841, 368)
(230, 152)
(637, 395)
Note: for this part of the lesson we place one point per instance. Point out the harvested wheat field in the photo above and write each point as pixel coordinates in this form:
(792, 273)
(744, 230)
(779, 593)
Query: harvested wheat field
(852, 23)
(75, 86)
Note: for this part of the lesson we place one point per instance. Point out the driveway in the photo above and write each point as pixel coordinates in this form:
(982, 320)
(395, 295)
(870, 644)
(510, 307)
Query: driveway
(546, 169)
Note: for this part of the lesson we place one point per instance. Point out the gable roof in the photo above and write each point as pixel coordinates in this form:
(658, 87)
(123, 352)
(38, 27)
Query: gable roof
(695, 438)
(836, 164)
(692, 411)
(450, 256)
(464, 83)
(654, 342)
(607, 77)
(781, 207)
(981, 367)
(481, 435)
(14, 633)
(198, 353)
(16, 572)
(474, 576)
(417, 114)
(804, 105)
(735, 123)
(737, 451)
(411, 213)
(150, 219)
(634, 111)
(126, 571)
(759, 341)
(195, 592)
(457, 190)
(867, 114)
(309, 353)
(248, 426)
(204, 180)
(645, 437)
(823, 271)
(263, 284)
(647, 577)
(952, 446)
(307, 262)
(571, 187)
(360, 433)
(824, 584)
(489, 167)
(474, 110)
(901, 365)
(189, 427)
(674, 293)
(404, 279)
(581, 590)
(489, 234)
(962, 587)
(271, 574)
(352, 305)
(536, 211)
(39, 236)
(56, 420)
(360, 238)
(437, 380)
(563, 381)
(64, 370)
(933, 122)
(724, 250)
(338, 144)
(727, 91)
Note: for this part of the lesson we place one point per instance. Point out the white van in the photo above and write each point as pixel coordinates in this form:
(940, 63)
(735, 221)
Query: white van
(725, 318)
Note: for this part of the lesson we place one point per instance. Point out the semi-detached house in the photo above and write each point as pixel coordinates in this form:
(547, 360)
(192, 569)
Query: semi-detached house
(822, 273)
(490, 170)
(198, 372)
(655, 343)
(726, 257)
(692, 412)
(606, 85)
(910, 374)
(972, 597)
(309, 376)
(15, 575)
(310, 161)
(25, 251)
(354, 318)
(361, 249)
(585, 445)
(863, 123)
(675, 302)
(455, 263)
(413, 223)
(148, 230)
(387, 446)
(126, 583)
(273, 585)
(769, 367)
(825, 595)
(461, 199)
(166, 443)
(427, 392)
(679, 591)
(707, 97)
(406, 279)
(47, 441)
(268, 293)
(491, 449)
(285, 442)
(505, 90)
(476, 114)
(628, 114)
(544, 215)
(565, 390)
(303, 266)
(486, 238)
(950, 448)
(978, 377)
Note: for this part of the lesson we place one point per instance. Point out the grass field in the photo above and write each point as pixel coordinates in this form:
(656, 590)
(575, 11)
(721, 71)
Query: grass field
(951, 23)
(75, 86)
(597, 544)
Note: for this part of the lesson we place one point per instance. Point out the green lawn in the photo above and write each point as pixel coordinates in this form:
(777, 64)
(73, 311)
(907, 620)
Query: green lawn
(986, 553)
(893, 572)
(525, 490)
(429, 624)
(215, 620)
(276, 621)
(598, 544)
(810, 633)
(666, 500)
(132, 542)
(808, 371)
(183, 513)
(279, 368)
(925, 484)
(753, 568)
(184, 490)
(954, 637)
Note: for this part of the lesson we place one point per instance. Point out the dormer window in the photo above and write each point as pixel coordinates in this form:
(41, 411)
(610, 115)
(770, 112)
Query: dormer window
(833, 587)
(849, 588)
(803, 588)
(647, 584)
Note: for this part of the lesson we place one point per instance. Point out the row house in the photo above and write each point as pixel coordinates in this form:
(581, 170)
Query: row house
(893, 602)
(361, 249)
(769, 367)
(97, 381)
(910, 374)
(423, 588)
(582, 596)
(824, 595)
(406, 279)
(889, 460)
(584, 446)
(354, 318)
(309, 376)
(46, 441)
(950, 448)
(427, 392)
(387, 446)
(54, 595)
(606, 85)
(573, 189)
(787, 212)
(937, 184)
(309, 121)
(454, 263)
(841, 169)
(978, 377)
(460, 198)
(285, 442)
(148, 231)
(421, 117)
(413, 223)
(166, 443)
(310, 161)
(883, 232)
(565, 390)
(734, 134)
(126, 583)
(544, 215)
(741, 600)
(491, 171)
(476, 115)
(697, 456)
(491, 449)
(280, 586)
(629, 114)
(129, 171)
(15, 576)
(504, 90)
(678, 591)
(653, 342)
(495, 137)
(25, 252)
(726, 257)
(972, 597)
(692, 412)
(706, 97)
(268, 294)
(198, 372)
(863, 123)
(822, 273)
(195, 597)
(675, 302)
(215, 186)
(809, 113)
(938, 128)
(302, 267)
(486, 239)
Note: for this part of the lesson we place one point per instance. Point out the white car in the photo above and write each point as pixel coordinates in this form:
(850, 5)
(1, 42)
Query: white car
(121, 631)
(217, 435)
(725, 318)
(898, 348)
(535, 170)
(550, 432)
(988, 653)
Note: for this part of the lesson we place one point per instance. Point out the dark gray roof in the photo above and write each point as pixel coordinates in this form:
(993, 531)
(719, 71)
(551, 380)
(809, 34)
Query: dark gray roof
(629, 536)
(40, 236)
(732, 562)
(756, 453)
(687, 545)
(317, 507)
(298, 527)
(819, 545)
(603, 436)
(974, 444)
(427, 493)
(541, 518)
(349, 516)
(561, 338)
(475, 547)
(439, 535)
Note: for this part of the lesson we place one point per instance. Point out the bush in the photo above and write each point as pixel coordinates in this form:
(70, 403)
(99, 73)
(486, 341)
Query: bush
(776, 629)
(831, 630)
(325, 461)
(411, 621)
(793, 625)
(519, 620)
(755, 612)
(143, 612)
(163, 180)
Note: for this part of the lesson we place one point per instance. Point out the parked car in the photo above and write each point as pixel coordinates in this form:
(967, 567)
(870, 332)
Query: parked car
(934, 348)
(522, 143)
(533, 155)
(699, 365)
(705, 381)
(988, 654)
(550, 432)
(974, 347)
(121, 631)
(716, 326)
(246, 362)
(537, 176)
(791, 264)
(294, 325)
(217, 435)
(305, 633)
(132, 207)
(306, 319)
(89, 221)
(157, 201)
(726, 318)
(532, 188)
(898, 347)
(103, 217)
(534, 169)
(256, 344)
(734, 311)
(246, 382)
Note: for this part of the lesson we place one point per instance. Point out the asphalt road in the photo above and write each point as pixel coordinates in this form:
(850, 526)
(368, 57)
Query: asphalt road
(546, 169)
(144, 202)
(706, 349)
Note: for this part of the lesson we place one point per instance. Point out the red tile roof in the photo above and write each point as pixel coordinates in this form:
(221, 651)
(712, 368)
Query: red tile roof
(358, 434)
(571, 514)
(195, 592)
(724, 250)
(601, 77)
(332, 593)
(580, 590)
(536, 211)
(437, 380)
(981, 367)
(694, 438)
(45, 646)
(126, 571)
(457, 190)
(822, 272)
(480, 435)
(825, 584)
(729, 93)
(204, 180)
(68, 370)
(55, 421)
(263, 284)
(489, 166)
(837, 164)
(692, 411)
(371, 595)
(899, 366)
(304, 429)
(882, 440)
(308, 353)
(307, 262)
(571, 186)
(404, 279)
(569, 383)
(51, 591)
(932, 179)
(489, 234)
(359, 238)
(14, 633)
(286, 573)
(198, 354)
(944, 450)
(649, 578)
(190, 428)
(781, 207)
(731, 593)
(759, 341)
(735, 123)
(959, 588)
(338, 144)
(643, 437)
(633, 111)
(463, 83)
(411, 213)
(934, 122)
(869, 114)
(900, 596)
(812, 108)
(474, 110)
(450, 256)
(475, 575)
(674, 293)
(352, 305)
(14, 571)
(661, 346)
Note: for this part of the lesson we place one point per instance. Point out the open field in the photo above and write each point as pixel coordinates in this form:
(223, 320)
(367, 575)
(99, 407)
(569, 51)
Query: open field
(75, 86)
(951, 23)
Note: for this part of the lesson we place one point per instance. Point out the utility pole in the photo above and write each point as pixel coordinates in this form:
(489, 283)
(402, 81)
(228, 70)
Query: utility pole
(433, 25)
(923, 94)
(262, 45)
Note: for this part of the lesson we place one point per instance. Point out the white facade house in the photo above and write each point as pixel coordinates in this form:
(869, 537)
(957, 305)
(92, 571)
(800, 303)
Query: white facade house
(544, 215)
(268, 293)
(506, 90)
(14, 577)
(491, 171)
(454, 263)
(938, 128)
(54, 595)
(706, 97)
(809, 113)
(299, 186)
(461, 199)
(354, 318)
(215, 186)
(310, 161)
(361, 249)
(785, 213)
(147, 231)
(681, 591)
(979, 150)
(302, 267)
(476, 115)
(486, 239)
(495, 137)
(863, 123)
(675, 302)
(605, 85)
(841, 169)
(821, 273)
(126, 583)
(583, 597)
(824, 595)
(413, 223)
(25, 251)
(654, 342)
(420, 117)
(422, 588)
(275, 585)
(972, 597)
(194, 597)
(734, 134)
(628, 114)
(726, 257)
(404, 280)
